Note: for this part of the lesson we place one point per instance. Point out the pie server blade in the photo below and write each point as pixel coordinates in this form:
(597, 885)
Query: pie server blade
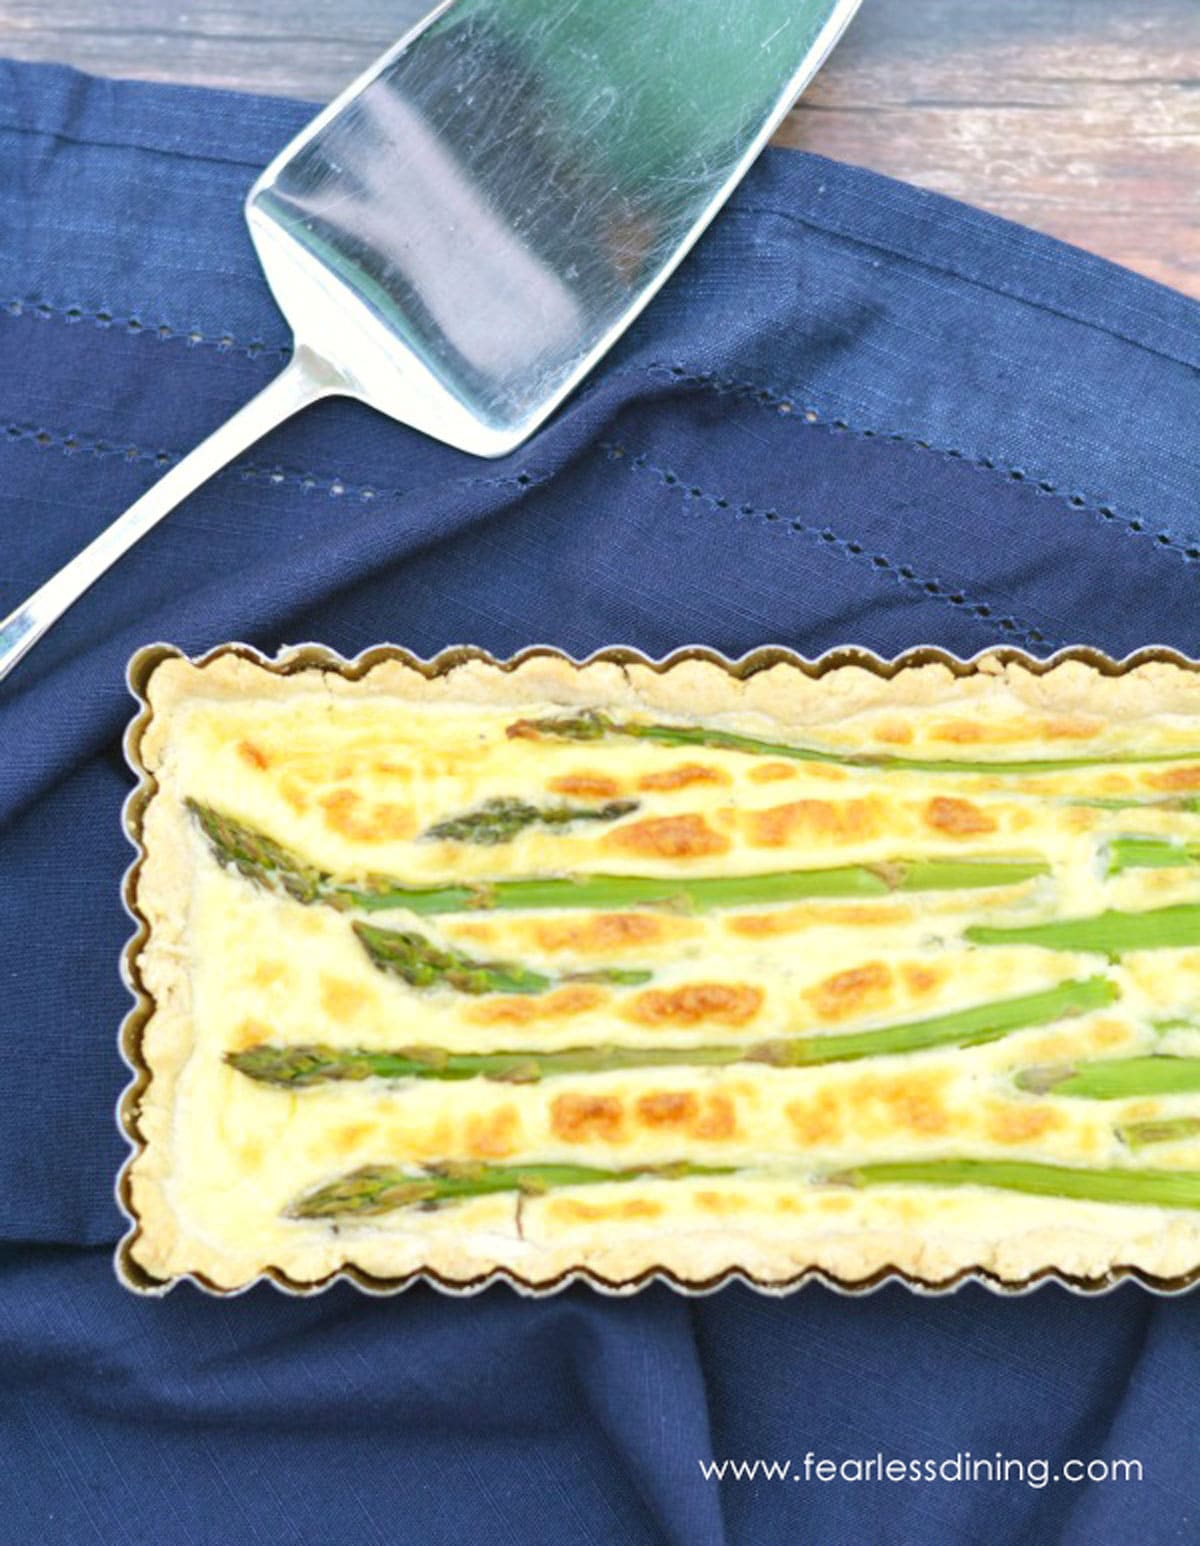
(464, 232)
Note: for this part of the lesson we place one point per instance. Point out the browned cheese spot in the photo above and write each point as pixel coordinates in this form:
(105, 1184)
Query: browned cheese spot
(1110, 1033)
(267, 972)
(697, 1003)
(852, 992)
(574, 1210)
(709, 1117)
(340, 999)
(908, 1102)
(351, 1136)
(844, 821)
(493, 1134)
(524, 1009)
(295, 792)
(895, 732)
(1176, 778)
(717, 1121)
(921, 980)
(601, 933)
(471, 928)
(827, 772)
(578, 1118)
(253, 755)
(432, 1142)
(668, 1108)
(668, 837)
(721, 1202)
(788, 920)
(249, 1034)
(682, 776)
(957, 818)
(961, 732)
(1070, 728)
(1019, 1124)
(970, 732)
(584, 786)
(771, 772)
(815, 1121)
(347, 815)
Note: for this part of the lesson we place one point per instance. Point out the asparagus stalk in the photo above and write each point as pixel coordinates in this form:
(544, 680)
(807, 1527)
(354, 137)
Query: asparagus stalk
(423, 964)
(500, 820)
(591, 725)
(1112, 933)
(1140, 1135)
(1115, 1078)
(376, 1189)
(1130, 853)
(1145, 1188)
(268, 864)
(297, 1067)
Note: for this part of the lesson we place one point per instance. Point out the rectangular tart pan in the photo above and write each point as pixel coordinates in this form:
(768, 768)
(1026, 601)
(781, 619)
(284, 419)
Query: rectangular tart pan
(309, 656)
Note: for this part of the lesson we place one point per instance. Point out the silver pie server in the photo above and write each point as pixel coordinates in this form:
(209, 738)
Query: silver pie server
(463, 233)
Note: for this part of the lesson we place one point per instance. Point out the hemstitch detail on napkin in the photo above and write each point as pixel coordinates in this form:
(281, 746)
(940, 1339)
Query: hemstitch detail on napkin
(764, 396)
(903, 574)
(257, 348)
(271, 477)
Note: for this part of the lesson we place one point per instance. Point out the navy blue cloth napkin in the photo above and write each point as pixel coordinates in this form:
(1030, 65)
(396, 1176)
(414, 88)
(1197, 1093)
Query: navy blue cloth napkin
(860, 413)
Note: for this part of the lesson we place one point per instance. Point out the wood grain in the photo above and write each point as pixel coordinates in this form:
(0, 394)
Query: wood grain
(1076, 117)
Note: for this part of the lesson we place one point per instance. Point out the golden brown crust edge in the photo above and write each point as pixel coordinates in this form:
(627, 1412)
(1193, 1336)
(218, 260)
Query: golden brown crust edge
(797, 694)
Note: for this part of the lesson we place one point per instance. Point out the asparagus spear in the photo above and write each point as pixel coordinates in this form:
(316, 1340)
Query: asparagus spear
(259, 858)
(425, 965)
(591, 725)
(1140, 1135)
(376, 1189)
(1129, 853)
(297, 1067)
(499, 820)
(1115, 1078)
(1147, 1188)
(268, 864)
(1111, 933)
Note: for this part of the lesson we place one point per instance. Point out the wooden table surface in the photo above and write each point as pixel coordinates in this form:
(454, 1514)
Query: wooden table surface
(1077, 117)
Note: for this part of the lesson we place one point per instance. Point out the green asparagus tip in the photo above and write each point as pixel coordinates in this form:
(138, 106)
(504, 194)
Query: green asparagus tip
(1040, 1081)
(257, 857)
(590, 725)
(422, 964)
(1140, 1135)
(500, 820)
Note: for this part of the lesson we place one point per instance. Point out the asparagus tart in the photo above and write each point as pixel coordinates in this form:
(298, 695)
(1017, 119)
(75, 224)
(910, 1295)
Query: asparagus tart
(543, 968)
